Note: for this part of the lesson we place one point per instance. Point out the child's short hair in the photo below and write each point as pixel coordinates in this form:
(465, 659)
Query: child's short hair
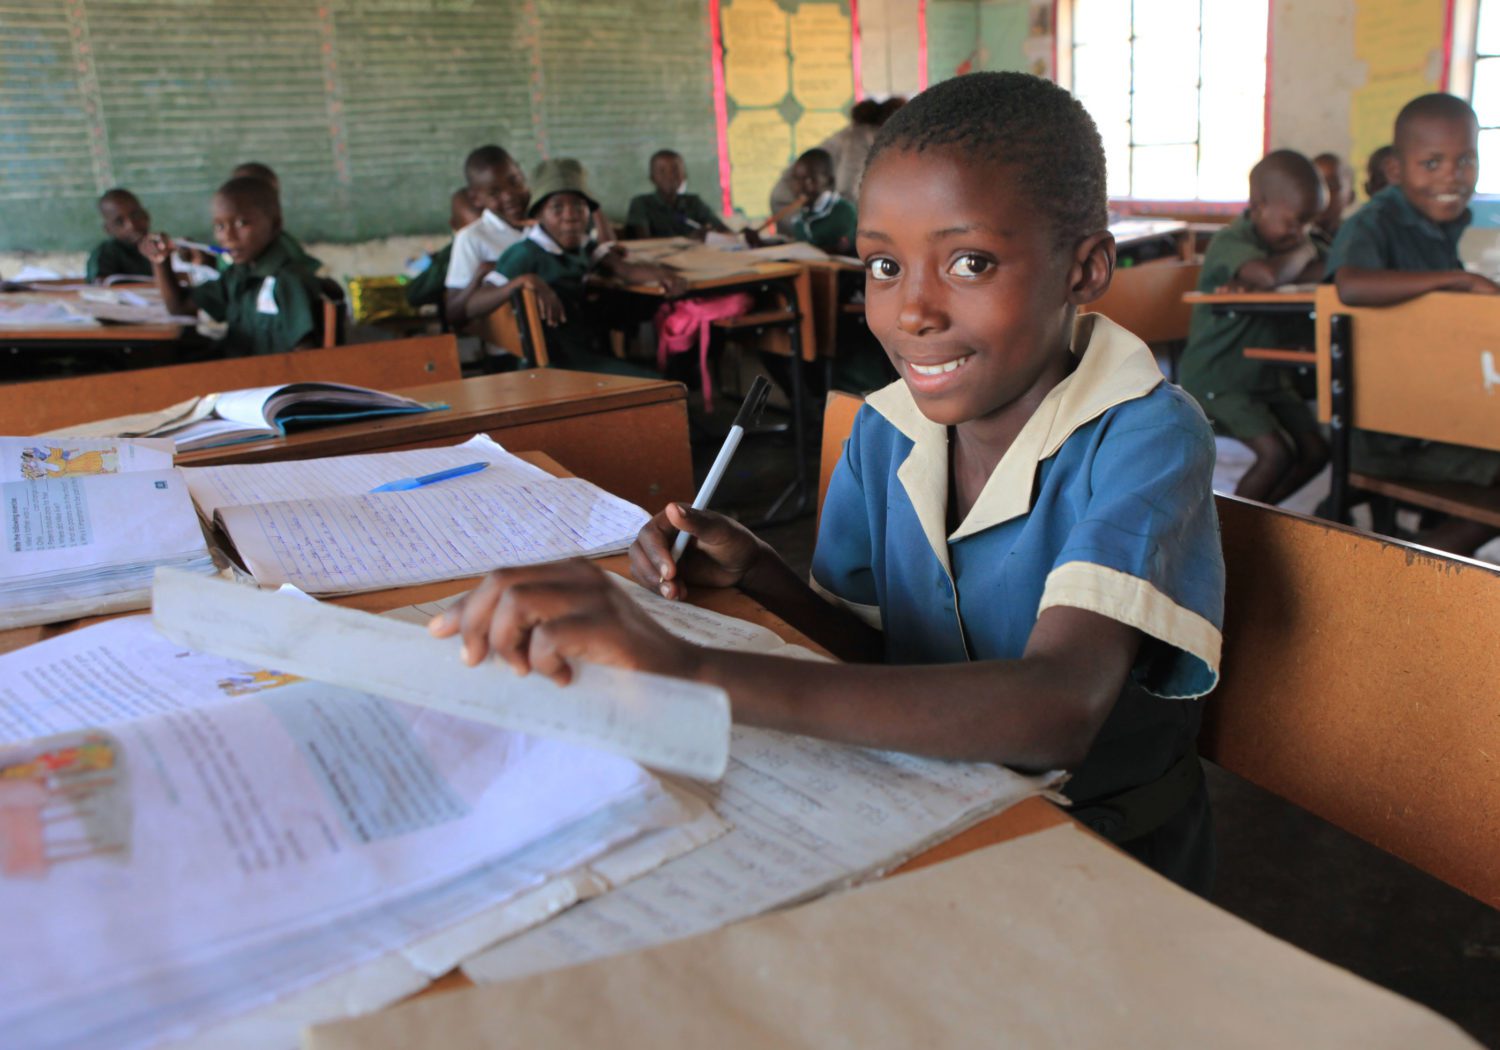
(664, 154)
(1283, 173)
(254, 169)
(486, 158)
(1436, 106)
(1031, 124)
(118, 193)
(257, 193)
(819, 160)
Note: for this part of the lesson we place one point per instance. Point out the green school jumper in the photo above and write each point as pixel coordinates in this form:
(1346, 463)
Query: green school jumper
(271, 305)
(686, 216)
(829, 224)
(112, 257)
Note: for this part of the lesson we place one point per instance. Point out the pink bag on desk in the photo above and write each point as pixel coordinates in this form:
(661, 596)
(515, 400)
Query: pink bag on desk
(680, 323)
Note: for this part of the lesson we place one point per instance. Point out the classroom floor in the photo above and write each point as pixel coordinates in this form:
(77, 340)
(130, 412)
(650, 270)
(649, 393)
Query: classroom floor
(1280, 868)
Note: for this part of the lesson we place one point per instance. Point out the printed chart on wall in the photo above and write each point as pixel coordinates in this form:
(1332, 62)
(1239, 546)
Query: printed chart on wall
(1400, 44)
(789, 80)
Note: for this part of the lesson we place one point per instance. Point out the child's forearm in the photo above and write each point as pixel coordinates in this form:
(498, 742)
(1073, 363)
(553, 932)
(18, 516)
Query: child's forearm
(1262, 275)
(480, 299)
(773, 584)
(1361, 287)
(177, 301)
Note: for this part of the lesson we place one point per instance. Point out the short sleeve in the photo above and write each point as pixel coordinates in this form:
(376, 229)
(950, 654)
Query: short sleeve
(1360, 243)
(299, 309)
(464, 262)
(699, 211)
(91, 269)
(636, 219)
(1230, 249)
(1146, 551)
(212, 298)
(516, 260)
(843, 570)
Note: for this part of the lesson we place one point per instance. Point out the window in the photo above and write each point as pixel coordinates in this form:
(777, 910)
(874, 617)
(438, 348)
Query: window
(1178, 89)
(1484, 94)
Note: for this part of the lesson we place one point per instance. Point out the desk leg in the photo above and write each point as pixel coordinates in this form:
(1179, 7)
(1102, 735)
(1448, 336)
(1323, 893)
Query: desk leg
(1340, 422)
(795, 497)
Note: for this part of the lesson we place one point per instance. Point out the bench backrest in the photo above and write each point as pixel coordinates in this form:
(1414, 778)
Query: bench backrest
(1146, 300)
(35, 408)
(1361, 681)
(1429, 368)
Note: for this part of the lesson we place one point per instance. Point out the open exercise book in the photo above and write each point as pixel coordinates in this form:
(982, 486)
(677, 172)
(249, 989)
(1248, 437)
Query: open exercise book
(249, 415)
(85, 524)
(315, 523)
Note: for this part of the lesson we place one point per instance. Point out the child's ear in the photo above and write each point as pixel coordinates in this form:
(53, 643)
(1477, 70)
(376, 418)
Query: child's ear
(1093, 267)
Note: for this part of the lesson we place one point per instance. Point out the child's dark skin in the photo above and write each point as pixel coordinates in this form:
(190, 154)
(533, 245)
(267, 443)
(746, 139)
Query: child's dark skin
(503, 190)
(1436, 164)
(812, 181)
(124, 218)
(668, 173)
(960, 268)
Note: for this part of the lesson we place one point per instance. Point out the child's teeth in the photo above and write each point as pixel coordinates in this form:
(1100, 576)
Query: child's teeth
(937, 370)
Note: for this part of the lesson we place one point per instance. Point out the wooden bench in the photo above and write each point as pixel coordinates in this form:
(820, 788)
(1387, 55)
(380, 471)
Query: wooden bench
(1359, 681)
(1146, 300)
(1425, 369)
(37, 407)
(517, 328)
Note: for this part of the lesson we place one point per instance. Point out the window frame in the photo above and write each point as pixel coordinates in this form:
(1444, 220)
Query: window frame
(1194, 207)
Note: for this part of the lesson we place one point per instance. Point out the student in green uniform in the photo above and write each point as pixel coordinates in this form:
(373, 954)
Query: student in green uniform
(1403, 244)
(671, 211)
(268, 298)
(253, 169)
(826, 220)
(427, 287)
(127, 223)
(1018, 558)
(1252, 401)
(557, 254)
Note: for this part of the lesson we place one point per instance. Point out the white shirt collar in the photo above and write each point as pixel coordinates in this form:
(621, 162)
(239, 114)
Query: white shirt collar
(823, 205)
(542, 237)
(498, 224)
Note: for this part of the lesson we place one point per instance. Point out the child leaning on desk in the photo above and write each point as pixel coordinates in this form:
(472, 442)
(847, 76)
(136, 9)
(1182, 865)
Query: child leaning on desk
(1404, 244)
(1254, 402)
(1018, 556)
(126, 222)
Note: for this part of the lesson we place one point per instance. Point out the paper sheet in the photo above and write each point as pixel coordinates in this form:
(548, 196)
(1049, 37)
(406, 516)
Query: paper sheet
(667, 723)
(1051, 940)
(36, 458)
(217, 487)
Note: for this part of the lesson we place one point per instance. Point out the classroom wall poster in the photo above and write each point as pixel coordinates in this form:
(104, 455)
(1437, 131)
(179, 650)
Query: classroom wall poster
(789, 80)
(1400, 43)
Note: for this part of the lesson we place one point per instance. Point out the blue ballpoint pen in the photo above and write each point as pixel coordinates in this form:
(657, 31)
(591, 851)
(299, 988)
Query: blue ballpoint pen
(405, 484)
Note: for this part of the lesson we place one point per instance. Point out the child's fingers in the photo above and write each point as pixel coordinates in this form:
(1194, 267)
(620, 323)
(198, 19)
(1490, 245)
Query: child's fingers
(554, 643)
(527, 607)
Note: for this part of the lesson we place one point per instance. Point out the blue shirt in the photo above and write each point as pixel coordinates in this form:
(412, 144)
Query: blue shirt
(1103, 502)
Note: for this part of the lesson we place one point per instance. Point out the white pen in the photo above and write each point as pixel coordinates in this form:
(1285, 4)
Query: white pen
(747, 415)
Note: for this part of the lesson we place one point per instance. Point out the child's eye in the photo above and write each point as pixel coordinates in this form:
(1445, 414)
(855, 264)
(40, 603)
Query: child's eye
(969, 266)
(1431, 165)
(883, 269)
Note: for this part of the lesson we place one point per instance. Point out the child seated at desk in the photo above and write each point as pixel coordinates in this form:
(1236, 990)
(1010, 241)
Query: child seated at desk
(497, 187)
(126, 222)
(671, 211)
(427, 288)
(292, 246)
(268, 298)
(1252, 401)
(1404, 244)
(1019, 553)
(827, 220)
(557, 255)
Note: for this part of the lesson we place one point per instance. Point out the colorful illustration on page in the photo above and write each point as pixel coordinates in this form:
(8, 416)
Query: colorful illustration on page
(62, 798)
(49, 461)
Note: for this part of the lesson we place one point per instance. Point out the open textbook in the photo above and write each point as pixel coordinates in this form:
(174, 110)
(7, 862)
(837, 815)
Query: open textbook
(249, 415)
(85, 524)
(184, 837)
(316, 524)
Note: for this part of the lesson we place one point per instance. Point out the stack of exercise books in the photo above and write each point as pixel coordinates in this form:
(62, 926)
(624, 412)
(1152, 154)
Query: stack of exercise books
(85, 525)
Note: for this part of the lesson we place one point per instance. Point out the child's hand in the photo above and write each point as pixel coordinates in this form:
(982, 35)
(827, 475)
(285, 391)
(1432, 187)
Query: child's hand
(540, 617)
(752, 237)
(672, 282)
(157, 248)
(723, 554)
(1479, 284)
(547, 302)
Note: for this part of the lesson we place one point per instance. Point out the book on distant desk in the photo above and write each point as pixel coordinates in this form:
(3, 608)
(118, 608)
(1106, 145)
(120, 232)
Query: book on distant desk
(260, 412)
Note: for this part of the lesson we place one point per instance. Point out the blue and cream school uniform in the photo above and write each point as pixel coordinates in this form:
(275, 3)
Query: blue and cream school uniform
(1103, 502)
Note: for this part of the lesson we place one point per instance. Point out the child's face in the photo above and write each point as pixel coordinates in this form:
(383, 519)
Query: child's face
(243, 229)
(565, 217)
(1339, 196)
(461, 211)
(668, 174)
(810, 181)
(1282, 221)
(124, 219)
(1437, 164)
(966, 288)
(502, 190)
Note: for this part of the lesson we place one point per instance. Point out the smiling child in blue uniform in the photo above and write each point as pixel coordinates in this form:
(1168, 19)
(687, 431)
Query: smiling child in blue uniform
(1018, 555)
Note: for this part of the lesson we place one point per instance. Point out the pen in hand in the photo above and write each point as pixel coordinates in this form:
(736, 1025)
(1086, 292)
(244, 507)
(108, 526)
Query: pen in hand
(749, 412)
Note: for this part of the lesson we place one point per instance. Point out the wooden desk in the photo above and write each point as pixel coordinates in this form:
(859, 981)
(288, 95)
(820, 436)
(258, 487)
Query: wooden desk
(627, 435)
(1254, 302)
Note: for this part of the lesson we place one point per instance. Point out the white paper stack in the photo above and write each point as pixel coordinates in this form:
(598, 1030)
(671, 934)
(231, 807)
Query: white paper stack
(86, 523)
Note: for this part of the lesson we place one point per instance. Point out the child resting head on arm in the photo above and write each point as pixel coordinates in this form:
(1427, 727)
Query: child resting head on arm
(1018, 555)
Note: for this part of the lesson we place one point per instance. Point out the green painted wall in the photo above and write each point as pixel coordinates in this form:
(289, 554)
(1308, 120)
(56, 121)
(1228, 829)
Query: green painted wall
(364, 107)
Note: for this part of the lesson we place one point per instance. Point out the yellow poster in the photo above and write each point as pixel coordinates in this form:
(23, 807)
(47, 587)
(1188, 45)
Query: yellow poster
(760, 142)
(815, 126)
(756, 67)
(1400, 43)
(822, 69)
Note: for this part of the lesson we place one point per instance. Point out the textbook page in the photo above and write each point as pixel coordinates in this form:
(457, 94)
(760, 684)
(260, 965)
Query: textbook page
(193, 847)
(39, 458)
(347, 544)
(217, 487)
